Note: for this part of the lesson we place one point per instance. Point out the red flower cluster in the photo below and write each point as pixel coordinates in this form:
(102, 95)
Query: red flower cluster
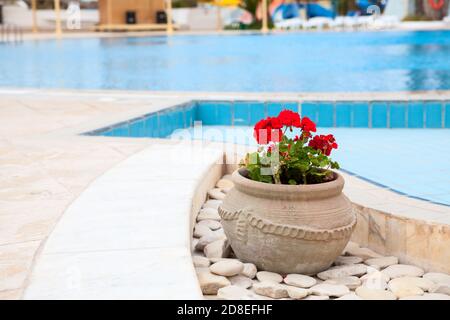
(324, 143)
(268, 130)
(308, 125)
(290, 118)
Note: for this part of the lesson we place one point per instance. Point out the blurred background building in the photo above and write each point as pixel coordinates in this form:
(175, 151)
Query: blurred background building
(212, 14)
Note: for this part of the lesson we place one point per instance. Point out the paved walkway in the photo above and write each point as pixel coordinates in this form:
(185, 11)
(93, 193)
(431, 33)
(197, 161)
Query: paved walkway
(44, 167)
(127, 236)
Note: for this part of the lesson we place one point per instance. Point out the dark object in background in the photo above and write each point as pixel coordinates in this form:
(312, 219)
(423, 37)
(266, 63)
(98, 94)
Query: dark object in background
(130, 17)
(161, 17)
(1, 14)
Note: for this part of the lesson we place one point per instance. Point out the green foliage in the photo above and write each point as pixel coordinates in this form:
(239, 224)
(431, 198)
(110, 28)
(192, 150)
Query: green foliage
(297, 164)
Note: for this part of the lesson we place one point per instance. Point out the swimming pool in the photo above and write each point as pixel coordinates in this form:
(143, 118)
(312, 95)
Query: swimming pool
(401, 145)
(297, 62)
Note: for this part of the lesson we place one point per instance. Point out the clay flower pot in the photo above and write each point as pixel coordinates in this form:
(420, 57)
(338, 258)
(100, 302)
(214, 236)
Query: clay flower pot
(287, 229)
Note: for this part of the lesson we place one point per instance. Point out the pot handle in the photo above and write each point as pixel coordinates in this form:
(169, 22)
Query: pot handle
(242, 222)
(242, 226)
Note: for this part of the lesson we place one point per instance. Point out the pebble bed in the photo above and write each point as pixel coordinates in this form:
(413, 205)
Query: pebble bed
(358, 274)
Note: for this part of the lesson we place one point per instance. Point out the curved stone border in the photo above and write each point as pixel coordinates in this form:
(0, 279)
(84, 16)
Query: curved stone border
(127, 235)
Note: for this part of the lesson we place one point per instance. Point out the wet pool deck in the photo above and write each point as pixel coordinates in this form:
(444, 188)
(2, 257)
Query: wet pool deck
(45, 166)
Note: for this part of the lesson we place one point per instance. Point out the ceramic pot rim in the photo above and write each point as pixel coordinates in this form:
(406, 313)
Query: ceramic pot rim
(312, 191)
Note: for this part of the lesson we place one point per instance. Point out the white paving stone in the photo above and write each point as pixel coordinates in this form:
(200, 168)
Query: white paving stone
(374, 294)
(200, 262)
(349, 247)
(249, 270)
(351, 282)
(209, 238)
(208, 214)
(201, 231)
(437, 277)
(227, 268)
(265, 276)
(233, 293)
(375, 280)
(428, 296)
(363, 253)
(211, 283)
(271, 289)
(224, 184)
(422, 283)
(211, 224)
(443, 288)
(350, 296)
(331, 290)
(402, 270)
(241, 281)
(217, 249)
(345, 260)
(403, 288)
(382, 263)
(212, 203)
(314, 297)
(297, 293)
(217, 194)
(441, 281)
(343, 271)
(299, 280)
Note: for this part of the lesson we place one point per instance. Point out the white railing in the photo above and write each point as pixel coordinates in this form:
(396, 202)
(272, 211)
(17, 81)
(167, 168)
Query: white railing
(10, 33)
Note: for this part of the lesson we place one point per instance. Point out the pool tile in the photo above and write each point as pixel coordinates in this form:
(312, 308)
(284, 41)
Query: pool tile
(180, 118)
(310, 110)
(326, 115)
(360, 113)
(224, 113)
(447, 115)
(155, 130)
(137, 128)
(397, 115)
(164, 124)
(257, 112)
(172, 117)
(189, 115)
(343, 114)
(107, 133)
(274, 108)
(121, 131)
(415, 115)
(207, 112)
(241, 113)
(379, 115)
(433, 114)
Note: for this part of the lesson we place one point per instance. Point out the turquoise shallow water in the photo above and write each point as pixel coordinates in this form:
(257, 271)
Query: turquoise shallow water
(410, 161)
(308, 62)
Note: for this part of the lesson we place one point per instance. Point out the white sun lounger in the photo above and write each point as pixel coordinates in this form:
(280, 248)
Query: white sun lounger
(289, 24)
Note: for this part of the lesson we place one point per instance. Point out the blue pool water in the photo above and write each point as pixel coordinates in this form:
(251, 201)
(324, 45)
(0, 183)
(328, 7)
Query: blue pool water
(301, 62)
(401, 145)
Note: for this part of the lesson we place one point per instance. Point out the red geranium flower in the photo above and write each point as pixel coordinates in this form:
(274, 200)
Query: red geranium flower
(290, 118)
(308, 125)
(268, 130)
(324, 143)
